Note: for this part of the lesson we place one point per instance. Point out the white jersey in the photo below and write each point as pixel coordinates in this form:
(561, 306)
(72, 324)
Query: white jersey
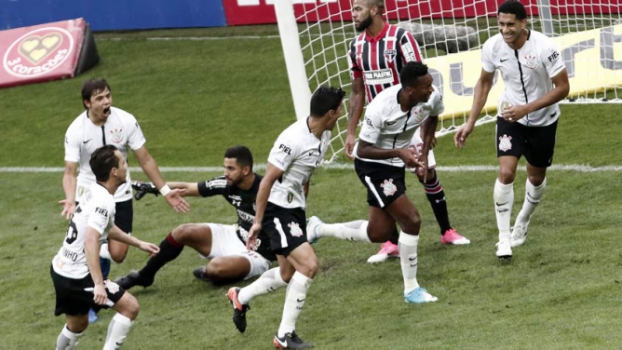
(96, 210)
(386, 126)
(297, 152)
(83, 138)
(526, 72)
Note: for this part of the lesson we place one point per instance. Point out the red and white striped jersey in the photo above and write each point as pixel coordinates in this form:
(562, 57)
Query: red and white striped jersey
(379, 60)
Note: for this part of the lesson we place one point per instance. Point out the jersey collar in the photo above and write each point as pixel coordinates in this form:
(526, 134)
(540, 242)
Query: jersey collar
(380, 35)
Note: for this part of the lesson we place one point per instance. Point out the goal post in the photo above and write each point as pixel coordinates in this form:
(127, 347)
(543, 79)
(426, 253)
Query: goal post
(315, 35)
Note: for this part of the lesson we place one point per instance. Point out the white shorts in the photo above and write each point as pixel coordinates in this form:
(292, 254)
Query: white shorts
(225, 242)
(417, 143)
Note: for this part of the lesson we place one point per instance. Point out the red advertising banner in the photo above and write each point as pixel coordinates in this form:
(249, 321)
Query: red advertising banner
(244, 12)
(40, 53)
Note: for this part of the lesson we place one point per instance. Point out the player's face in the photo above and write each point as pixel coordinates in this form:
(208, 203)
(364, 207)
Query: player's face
(510, 27)
(122, 169)
(234, 172)
(361, 15)
(423, 90)
(99, 105)
(333, 117)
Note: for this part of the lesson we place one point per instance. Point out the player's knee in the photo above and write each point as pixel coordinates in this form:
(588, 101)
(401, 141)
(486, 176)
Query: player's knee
(506, 176)
(310, 267)
(118, 256)
(184, 232)
(77, 324)
(411, 224)
(215, 270)
(130, 308)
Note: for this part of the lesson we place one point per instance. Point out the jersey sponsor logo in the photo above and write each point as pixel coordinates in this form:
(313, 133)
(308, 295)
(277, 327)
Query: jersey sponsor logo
(244, 234)
(38, 52)
(505, 143)
(378, 77)
(409, 52)
(285, 149)
(295, 230)
(553, 56)
(101, 211)
(219, 183)
(388, 187)
(116, 135)
(246, 216)
(368, 122)
(87, 141)
(389, 55)
(503, 60)
(235, 200)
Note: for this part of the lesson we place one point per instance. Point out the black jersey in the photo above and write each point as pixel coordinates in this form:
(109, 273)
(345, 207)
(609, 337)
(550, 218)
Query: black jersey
(244, 203)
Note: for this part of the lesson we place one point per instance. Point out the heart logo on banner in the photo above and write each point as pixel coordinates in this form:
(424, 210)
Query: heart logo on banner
(35, 48)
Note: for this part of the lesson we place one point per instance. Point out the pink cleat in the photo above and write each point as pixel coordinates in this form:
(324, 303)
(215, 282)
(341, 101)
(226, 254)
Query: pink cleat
(386, 251)
(452, 237)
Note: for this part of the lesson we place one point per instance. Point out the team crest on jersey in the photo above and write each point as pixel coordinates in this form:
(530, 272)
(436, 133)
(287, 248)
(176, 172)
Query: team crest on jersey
(116, 135)
(388, 188)
(530, 60)
(295, 229)
(389, 55)
(505, 143)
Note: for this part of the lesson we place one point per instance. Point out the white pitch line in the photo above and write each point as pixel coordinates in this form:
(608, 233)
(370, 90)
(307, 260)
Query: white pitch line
(461, 168)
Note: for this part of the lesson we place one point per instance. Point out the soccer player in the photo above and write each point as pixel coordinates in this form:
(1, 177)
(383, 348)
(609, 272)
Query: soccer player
(225, 245)
(535, 80)
(75, 269)
(281, 214)
(101, 124)
(377, 56)
(382, 153)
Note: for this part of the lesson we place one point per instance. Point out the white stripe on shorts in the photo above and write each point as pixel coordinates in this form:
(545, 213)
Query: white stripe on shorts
(373, 189)
(277, 224)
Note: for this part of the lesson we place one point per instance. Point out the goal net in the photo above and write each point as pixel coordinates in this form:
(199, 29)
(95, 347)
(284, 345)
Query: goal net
(316, 34)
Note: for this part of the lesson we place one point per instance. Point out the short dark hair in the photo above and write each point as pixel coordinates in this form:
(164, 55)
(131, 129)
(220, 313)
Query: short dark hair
(324, 99)
(513, 7)
(92, 86)
(102, 161)
(242, 155)
(411, 72)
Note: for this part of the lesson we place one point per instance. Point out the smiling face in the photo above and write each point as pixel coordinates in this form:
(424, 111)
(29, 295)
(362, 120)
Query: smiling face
(511, 28)
(98, 105)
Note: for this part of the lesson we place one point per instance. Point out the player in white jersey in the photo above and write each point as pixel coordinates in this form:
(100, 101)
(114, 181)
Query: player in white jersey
(101, 124)
(535, 80)
(383, 152)
(377, 56)
(75, 269)
(281, 214)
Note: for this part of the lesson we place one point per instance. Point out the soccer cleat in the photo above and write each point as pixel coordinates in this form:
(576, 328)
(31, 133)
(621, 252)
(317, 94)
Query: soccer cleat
(239, 310)
(201, 274)
(290, 341)
(504, 250)
(452, 237)
(313, 225)
(133, 279)
(93, 316)
(419, 295)
(387, 250)
(519, 235)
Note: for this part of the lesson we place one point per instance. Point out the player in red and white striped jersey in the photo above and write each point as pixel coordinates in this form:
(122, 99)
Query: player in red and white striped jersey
(376, 57)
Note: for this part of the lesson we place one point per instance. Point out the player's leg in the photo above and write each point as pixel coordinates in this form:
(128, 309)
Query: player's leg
(127, 310)
(123, 219)
(407, 216)
(237, 266)
(510, 143)
(539, 155)
(73, 301)
(72, 331)
(351, 231)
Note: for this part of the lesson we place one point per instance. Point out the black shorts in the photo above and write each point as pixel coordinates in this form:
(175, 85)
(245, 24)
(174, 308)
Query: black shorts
(124, 216)
(384, 183)
(537, 144)
(73, 298)
(287, 228)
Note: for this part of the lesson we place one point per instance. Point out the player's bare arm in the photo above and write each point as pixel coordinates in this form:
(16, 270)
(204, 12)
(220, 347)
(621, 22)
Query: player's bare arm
(272, 174)
(189, 189)
(428, 129)
(118, 235)
(357, 101)
(482, 89)
(369, 151)
(91, 250)
(69, 186)
(561, 90)
(150, 167)
(305, 188)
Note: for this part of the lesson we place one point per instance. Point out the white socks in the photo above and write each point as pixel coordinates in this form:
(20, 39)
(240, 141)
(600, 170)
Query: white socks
(533, 194)
(67, 340)
(118, 330)
(268, 282)
(408, 259)
(294, 301)
(504, 199)
(351, 231)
